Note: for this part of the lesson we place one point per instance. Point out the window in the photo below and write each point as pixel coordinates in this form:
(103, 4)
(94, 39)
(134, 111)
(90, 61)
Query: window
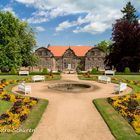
(65, 63)
(93, 53)
(43, 53)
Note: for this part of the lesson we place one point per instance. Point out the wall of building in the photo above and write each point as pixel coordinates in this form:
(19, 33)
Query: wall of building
(94, 58)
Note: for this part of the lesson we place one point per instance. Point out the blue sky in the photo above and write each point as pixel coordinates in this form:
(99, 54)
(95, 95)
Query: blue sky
(69, 22)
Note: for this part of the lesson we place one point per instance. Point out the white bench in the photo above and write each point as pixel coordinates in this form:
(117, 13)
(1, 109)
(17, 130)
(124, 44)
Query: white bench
(110, 72)
(121, 87)
(72, 72)
(23, 72)
(104, 78)
(24, 88)
(38, 78)
(83, 72)
(54, 71)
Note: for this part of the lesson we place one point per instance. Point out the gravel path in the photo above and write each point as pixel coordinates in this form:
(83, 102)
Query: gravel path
(71, 116)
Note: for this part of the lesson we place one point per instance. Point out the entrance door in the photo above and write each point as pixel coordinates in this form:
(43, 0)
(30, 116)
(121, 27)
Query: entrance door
(69, 66)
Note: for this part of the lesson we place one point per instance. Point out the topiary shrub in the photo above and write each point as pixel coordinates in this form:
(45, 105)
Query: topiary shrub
(94, 71)
(127, 70)
(13, 71)
(45, 71)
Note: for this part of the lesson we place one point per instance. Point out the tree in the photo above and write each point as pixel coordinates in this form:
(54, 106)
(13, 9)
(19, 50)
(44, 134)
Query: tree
(129, 13)
(104, 46)
(27, 43)
(17, 41)
(125, 50)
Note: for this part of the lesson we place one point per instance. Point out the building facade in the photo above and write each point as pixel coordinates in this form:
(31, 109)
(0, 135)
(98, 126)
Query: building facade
(70, 57)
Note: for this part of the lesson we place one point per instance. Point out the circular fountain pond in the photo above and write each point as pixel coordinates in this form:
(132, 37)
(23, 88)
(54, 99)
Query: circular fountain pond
(72, 87)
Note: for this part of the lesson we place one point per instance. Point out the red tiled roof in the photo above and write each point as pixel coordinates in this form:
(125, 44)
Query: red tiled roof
(78, 50)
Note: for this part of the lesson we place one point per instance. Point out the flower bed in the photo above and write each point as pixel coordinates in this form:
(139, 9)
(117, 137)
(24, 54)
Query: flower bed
(133, 82)
(13, 118)
(129, 107)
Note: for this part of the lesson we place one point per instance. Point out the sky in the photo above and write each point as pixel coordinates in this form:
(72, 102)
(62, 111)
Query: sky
(69, 22)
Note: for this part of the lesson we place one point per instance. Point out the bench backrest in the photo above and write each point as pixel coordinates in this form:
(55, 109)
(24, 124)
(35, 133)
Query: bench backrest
(110, 72)
(23, 72)
(123, 86)
(38, 77)
(103, 77)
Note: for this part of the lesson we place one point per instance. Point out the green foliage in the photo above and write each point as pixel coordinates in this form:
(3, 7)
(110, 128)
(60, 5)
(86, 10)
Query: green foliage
(45, 71)
(129, 13)
(104, 46)
(13, 71)
(127, 70)
(125, 49)
(94, 71)
(16, 42)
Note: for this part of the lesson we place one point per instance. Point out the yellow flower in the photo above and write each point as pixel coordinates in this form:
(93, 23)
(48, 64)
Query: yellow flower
(3, 93)
(33, 103)
(26, 99)
(12, 98)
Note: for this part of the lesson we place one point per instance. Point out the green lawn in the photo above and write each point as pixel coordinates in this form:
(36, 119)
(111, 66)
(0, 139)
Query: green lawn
(129, 77)
(119, 127)
(55, 77)
(13, 77)
(31, 123)
(92, 77)
(34, 117)
(4, 106)
(17, 77)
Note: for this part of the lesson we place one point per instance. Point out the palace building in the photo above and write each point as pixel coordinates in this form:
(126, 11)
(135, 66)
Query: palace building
(70, 57)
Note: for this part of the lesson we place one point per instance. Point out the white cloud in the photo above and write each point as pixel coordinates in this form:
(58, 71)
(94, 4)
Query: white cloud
(26, 1)
(94, 22)
(100, 14)
(45, 15)
(10, 9)
(36, 20)
(39, 29)
(65, 25)
(93, 28)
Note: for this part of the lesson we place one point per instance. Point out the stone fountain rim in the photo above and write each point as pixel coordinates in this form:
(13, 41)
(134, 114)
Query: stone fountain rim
(91, 86)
